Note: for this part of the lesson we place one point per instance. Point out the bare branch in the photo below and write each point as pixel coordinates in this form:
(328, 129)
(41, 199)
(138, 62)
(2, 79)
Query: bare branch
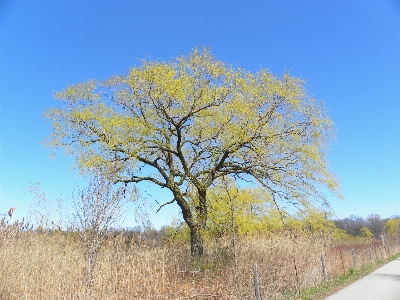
(166, 203)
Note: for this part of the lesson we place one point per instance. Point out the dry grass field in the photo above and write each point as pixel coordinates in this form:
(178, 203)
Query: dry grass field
(51, 265)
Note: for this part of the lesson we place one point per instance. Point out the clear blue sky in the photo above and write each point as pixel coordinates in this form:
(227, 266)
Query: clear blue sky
(349, 52)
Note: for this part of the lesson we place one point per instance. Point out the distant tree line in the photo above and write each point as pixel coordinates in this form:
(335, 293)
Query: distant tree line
(373, 226)
(357, 226)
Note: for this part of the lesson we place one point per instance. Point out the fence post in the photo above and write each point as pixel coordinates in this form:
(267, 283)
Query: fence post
(297, 275)
(256, 286)
(354, 257)
(341, 258)
(381, 252)
(324, 266)
(370, 255)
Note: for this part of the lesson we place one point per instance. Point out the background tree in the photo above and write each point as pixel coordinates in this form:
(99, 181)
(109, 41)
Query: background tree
(376, 224)
(352, 225)
(315, 220)
(254, 211)
(392, 228)
(247, 208)
(194, 120)
(365, 232)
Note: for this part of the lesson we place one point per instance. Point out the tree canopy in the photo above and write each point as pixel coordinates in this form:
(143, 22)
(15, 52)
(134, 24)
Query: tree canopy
(194, 120)
(392, 228)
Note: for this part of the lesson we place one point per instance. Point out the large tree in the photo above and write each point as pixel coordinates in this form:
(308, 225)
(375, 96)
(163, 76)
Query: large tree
(194, 120)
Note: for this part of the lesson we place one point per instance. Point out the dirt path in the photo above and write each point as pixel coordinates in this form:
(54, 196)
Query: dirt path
(382, 284)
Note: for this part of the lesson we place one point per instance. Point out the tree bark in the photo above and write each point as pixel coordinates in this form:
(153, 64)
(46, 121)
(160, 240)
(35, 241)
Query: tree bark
(196, 241)
(198, 225)
(195, 224)
(201, 210)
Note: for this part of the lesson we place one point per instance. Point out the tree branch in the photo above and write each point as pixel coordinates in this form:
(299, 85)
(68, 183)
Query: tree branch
(136, 179)
(166, 203)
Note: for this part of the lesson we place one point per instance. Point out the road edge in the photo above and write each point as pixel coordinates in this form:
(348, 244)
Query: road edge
(327, 288)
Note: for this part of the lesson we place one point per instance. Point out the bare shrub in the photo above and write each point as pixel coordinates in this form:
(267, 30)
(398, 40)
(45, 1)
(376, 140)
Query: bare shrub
(97, 209)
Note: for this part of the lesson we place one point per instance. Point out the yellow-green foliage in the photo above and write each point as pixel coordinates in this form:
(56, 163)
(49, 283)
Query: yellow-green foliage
(181, 117)
(184, 124)
(392, 228)
(177, 231)
(243, 210)
(251, 210)
(365, 232)
(316, 221)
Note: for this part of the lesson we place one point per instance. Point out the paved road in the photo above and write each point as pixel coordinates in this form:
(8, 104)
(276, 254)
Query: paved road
(382, 284)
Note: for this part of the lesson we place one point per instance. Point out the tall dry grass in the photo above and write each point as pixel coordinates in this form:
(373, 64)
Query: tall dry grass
(51, 265)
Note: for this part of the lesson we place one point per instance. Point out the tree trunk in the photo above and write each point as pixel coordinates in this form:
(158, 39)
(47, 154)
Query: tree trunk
(195, 225)
(196, 241)
(201, 209)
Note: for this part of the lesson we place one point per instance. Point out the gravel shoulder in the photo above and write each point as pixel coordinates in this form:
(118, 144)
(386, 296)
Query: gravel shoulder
(382, 284)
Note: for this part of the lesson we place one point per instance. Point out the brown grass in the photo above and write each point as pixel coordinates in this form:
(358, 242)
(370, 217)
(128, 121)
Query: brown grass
(50, 265)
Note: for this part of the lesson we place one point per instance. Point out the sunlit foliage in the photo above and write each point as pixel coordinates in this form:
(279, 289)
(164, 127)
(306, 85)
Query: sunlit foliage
(365, 232)
(192, 121)
(392, 228)
(243, 211)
